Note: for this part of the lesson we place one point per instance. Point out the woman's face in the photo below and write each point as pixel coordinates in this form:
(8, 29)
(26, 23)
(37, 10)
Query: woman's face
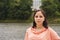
(39, 18)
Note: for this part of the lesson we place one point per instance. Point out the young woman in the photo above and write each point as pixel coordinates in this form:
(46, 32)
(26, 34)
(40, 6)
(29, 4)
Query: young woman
(40, 29)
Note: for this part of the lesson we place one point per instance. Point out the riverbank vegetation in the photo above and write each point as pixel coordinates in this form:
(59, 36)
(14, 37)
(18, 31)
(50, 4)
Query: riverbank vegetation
(20, 11)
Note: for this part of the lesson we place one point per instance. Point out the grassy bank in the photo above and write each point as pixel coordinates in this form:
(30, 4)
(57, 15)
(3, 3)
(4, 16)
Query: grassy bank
(50, 21)
(17, 21)
(54, 20)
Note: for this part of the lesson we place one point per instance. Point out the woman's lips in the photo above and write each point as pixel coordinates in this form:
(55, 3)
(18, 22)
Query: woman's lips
(38, 21)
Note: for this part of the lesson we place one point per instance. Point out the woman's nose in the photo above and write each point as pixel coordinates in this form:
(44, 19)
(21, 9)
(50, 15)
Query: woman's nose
(38, 18)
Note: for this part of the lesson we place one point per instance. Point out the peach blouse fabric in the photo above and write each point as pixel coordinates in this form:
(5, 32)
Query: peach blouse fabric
(43, 34)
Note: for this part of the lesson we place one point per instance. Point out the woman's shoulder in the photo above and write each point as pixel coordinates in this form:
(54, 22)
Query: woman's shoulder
(28, 29)
(51, 30)
(53, 33)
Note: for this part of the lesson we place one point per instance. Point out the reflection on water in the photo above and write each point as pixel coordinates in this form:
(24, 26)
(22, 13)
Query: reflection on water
(16, 31)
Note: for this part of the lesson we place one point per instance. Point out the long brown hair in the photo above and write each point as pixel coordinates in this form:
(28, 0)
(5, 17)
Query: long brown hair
(45, 24)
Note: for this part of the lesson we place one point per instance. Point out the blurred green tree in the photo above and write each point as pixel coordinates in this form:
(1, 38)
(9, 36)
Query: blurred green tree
(51, 7)
(3, 9)
(15, 9)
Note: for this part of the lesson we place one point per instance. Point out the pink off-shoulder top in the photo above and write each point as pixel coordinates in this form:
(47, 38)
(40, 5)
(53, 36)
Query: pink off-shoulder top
(43, 34)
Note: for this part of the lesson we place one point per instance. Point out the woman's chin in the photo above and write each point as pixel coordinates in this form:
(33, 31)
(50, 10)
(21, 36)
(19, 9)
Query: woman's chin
(39, 23)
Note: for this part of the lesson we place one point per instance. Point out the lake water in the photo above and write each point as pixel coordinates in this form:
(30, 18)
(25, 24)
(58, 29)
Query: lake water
(16, 31)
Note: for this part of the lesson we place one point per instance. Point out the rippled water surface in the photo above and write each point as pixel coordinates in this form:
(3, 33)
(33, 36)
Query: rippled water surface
(16, 31)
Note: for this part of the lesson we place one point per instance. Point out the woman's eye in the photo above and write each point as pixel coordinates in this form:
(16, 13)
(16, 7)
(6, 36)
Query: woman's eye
(36, 16)
(40, 16)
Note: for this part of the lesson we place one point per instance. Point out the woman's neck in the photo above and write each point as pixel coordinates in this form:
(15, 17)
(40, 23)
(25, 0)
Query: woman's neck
(39, 26)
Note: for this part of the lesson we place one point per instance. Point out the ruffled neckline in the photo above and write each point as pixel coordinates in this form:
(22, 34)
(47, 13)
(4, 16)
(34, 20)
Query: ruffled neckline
(34, 30)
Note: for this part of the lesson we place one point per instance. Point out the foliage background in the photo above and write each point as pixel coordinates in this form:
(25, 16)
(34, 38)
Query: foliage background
(11, 10)
(52, 9)
(21, 11)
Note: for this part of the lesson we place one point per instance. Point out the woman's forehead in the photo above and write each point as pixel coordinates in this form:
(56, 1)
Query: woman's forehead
(39, 13)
